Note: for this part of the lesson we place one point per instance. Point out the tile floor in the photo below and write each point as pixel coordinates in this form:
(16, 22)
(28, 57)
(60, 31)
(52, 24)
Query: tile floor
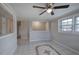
(29, 49)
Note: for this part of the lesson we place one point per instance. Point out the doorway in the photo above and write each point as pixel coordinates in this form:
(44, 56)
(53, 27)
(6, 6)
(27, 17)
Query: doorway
(22, 32)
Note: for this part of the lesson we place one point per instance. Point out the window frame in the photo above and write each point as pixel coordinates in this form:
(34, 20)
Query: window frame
(65, 25)
(75, 23)
(73, 17)
(59, 25)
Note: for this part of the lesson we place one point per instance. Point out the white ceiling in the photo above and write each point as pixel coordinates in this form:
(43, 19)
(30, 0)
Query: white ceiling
(27, 11)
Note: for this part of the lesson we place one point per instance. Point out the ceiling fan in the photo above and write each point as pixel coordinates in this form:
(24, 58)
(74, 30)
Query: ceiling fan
(49, 8)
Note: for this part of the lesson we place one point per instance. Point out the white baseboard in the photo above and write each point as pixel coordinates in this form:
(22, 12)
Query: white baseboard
(67, 47)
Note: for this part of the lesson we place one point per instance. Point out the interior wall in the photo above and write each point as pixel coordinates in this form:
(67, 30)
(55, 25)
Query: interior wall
(38, 26)
(8, 43)
(4, 25)
(39, 35)
(68, 39)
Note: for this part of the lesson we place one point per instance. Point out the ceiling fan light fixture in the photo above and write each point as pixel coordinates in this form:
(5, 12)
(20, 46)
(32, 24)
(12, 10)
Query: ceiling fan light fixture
(49, 10)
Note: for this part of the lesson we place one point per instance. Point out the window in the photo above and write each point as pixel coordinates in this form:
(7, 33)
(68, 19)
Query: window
(77, 24)
(66, 25)
(69, 25)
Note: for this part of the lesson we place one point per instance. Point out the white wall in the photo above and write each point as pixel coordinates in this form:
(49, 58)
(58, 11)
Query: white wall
(39, 35)
(8, 43)
(69, 39)
(0, 25)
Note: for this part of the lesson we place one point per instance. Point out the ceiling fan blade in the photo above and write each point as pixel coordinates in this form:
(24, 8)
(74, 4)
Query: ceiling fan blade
(39, 7)
(42, 12)
(60, 7)
(52, 13)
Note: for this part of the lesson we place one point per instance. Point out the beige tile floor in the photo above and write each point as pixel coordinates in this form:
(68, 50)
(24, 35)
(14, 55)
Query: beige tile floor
(29, 49)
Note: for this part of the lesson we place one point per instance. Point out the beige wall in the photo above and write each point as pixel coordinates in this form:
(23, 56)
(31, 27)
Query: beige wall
(40, 26)
(9, 24)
